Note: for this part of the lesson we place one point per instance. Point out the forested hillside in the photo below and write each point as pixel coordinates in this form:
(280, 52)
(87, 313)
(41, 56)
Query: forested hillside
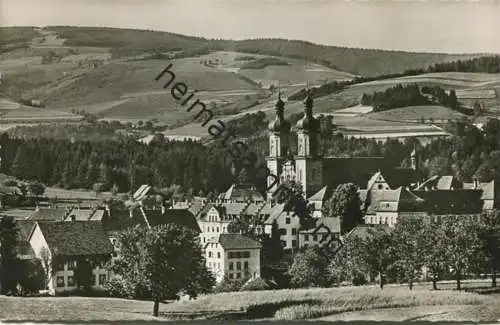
(364, 62)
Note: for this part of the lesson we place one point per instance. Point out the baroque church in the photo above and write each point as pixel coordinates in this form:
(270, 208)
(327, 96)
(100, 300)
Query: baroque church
(309, 167)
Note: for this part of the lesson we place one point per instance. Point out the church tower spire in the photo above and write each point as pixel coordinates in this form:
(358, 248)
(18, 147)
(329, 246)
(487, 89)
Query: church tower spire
(308, 129)
(279, 141)
(308, 165)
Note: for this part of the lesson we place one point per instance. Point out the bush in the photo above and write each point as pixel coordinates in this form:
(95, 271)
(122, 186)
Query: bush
(32, 276)
(256, 285)
(228, 285)
(115, 287)
(359, 280)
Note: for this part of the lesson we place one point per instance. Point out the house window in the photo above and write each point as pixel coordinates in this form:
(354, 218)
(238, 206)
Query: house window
(102, 279)
(71, 265)
(238, 275)
(224, 229)
(231, 275)
(245, 265)
(231, 255)
(306, 237)
(238, 265)
(282, 231)
(294, 243)
(209, 254)
(218, 254)
(294, 231)
(93, 280)
(217, 229)
(315, 237)
(71, 281)
(231, 266)
(59, 266)
(283, 243)
(246, 254)
(60, 281)
(287, 221)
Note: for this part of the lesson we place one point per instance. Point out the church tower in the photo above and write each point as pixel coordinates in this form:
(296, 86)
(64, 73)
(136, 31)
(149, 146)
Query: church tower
(308, 164)
(279, 143)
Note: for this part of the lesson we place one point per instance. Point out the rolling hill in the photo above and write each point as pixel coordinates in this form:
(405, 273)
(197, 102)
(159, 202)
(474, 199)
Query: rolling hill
(366, 62)
(110, 72)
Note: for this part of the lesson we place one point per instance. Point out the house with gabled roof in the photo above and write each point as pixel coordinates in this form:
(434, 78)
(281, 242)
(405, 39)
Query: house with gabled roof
(242, 193)
(233, 256)
(387, 206)
(326, 232)
(63, 247)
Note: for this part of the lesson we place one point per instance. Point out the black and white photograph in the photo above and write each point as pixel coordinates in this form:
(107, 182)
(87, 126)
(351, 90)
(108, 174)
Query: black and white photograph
(236, 161)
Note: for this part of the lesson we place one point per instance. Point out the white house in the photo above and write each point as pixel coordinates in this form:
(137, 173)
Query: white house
(65, 246)
(234, 256)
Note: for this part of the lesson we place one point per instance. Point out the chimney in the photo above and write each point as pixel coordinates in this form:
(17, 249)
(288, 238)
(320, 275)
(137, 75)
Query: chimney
(476, 183)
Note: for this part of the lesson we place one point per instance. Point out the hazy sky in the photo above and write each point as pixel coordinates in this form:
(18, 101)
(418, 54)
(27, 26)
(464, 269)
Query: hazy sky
(417, 25)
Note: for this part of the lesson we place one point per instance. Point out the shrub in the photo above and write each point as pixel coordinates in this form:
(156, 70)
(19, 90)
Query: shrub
(31, 276)
(256, 285)
(229, 285)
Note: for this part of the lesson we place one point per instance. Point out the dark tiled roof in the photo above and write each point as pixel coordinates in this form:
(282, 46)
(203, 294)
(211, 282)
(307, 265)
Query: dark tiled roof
(49, 214)
(399, 200)
(452, 202)
(397, 177)
(24, 249)
(237, 241)
(120, 220)
(364, 231)
(358, 170)
(24, 228)
(73, 238)
(332, 223)
(181, 217)
(242, 193)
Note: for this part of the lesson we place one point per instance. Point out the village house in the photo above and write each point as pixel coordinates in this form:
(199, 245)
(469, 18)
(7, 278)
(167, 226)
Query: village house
(233, 256)
(63, 247)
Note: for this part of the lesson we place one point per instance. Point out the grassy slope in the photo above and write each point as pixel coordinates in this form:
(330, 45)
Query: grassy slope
(313, 303)
(74, 308)
(358, 61)
(415, 113)
(282, 304)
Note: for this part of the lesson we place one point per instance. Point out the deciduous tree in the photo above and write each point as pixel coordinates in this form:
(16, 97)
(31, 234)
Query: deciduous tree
(309, 268)
(346, 204)
(150, 260)
(8, 254)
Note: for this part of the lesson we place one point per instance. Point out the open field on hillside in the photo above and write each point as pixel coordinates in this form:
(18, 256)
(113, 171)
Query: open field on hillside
(354, 303)
(54, 192)
(314, 303)
(417, 113)
(74, 308)
(126, 42)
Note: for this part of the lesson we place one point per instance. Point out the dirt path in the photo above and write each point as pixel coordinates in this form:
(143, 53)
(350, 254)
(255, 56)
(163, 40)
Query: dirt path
(423, 313)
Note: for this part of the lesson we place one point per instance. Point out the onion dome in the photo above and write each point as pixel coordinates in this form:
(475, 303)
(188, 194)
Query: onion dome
(308, 123)
(280, 125)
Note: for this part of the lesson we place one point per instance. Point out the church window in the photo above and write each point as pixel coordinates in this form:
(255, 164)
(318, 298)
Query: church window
(380, 186)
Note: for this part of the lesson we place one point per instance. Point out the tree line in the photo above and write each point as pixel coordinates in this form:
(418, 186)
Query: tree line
(483, 64)
(451, 247)
(410, 95)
